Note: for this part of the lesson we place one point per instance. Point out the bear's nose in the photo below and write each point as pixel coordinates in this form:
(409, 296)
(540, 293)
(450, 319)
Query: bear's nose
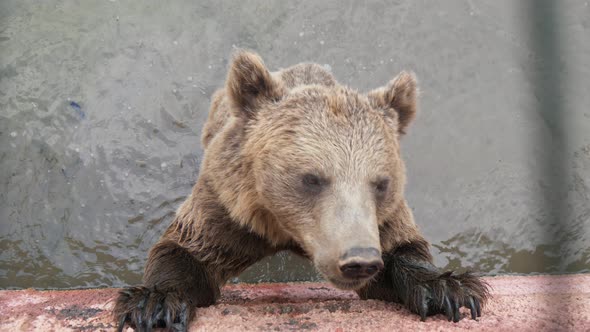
(360, 263)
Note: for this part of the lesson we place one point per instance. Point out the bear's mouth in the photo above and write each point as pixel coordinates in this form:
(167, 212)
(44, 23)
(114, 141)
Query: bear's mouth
(340, 281)
(348, 284)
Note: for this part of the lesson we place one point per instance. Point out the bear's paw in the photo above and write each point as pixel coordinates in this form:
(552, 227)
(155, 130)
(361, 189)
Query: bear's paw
(447, 293)
(145, 308)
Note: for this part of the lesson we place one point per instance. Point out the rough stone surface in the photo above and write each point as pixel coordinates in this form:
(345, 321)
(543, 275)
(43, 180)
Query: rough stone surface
(532, 303)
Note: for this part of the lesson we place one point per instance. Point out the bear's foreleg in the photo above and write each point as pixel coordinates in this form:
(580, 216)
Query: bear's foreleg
(175, 283)
(410, 278)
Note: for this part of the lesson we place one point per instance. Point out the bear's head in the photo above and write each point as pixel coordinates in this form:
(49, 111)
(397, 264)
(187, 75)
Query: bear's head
(325, 162)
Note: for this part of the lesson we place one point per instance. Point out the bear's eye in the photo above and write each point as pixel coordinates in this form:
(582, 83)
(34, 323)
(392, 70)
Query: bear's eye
(381, 186)
(313, 183)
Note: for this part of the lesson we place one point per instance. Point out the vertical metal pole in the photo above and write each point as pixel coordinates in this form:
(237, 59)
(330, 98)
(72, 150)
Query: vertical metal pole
(552, 143)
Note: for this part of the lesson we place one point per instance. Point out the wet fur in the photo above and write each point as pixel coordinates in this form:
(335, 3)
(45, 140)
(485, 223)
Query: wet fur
(224, 226)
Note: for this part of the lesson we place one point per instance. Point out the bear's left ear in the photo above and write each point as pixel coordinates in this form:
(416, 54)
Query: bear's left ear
(249, 84)
(397, 100)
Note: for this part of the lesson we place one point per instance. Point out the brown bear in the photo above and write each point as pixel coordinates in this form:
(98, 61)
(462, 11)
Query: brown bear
(295, 161)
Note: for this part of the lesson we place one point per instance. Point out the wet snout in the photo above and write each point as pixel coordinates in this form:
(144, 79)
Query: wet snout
(346, 246)
(360, 263)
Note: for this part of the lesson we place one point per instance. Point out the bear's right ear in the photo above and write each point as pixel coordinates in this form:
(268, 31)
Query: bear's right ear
(249, 84)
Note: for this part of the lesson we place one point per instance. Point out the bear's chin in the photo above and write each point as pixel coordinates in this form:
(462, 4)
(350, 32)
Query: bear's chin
(348, 284)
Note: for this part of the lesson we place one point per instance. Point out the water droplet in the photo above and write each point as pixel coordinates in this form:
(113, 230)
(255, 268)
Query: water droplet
(301, 34)
(321, 42)
(175, 42)
(190, 78)
(13, 134)
(163, 165)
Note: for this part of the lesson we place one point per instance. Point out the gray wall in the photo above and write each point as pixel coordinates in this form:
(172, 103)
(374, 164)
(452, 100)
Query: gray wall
(498, 159)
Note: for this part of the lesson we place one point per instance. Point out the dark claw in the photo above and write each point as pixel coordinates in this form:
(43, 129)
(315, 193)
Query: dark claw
(448, 308)
(472, 308)
(121, 323)
(148, 323)
(180, 323)
(158, 315)
(455, 306)
(146, 318)
(423, 309)
(184, 318)
(478, 307)
(168, 318)
(141, 307)
(423, 314)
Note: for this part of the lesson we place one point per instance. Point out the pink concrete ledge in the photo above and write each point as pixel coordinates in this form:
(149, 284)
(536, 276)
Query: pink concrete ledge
(533, 303)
